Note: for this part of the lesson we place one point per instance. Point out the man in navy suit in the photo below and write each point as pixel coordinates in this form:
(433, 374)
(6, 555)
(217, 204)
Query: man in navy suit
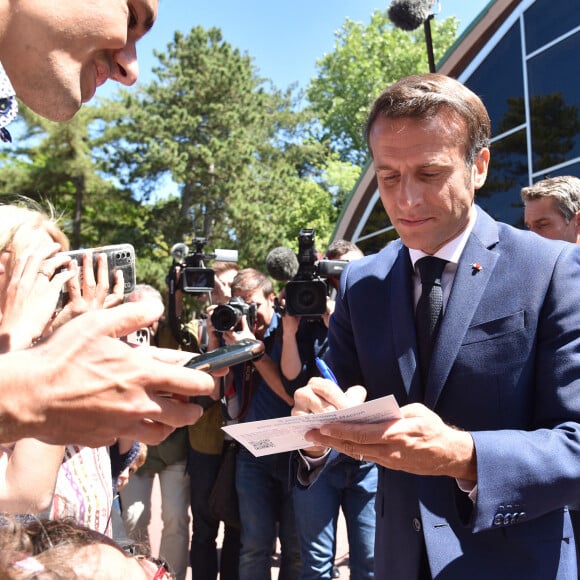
(475, 476)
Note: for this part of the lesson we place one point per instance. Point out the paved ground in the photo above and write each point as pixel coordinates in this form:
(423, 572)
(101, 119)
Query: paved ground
(155, 535)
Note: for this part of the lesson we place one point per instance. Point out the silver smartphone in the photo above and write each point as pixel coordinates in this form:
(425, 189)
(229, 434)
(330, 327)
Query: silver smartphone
(119, 257)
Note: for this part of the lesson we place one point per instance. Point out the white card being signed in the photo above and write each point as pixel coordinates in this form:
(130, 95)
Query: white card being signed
(287, 433)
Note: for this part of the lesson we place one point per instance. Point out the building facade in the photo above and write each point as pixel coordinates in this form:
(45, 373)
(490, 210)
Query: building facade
(523, 59)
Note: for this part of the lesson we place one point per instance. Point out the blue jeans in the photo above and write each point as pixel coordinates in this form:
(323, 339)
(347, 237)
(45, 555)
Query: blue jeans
(203, 557)
(265, 497)
(348, 484)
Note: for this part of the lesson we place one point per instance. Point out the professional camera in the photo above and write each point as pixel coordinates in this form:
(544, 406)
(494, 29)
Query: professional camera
(306, 293)
(189, 275)
(194, 277)
(228, 316)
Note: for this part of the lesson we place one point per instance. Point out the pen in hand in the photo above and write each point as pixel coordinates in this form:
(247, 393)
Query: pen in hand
(325, 371)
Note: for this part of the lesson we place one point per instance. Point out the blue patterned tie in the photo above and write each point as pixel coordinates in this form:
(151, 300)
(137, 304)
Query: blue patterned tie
(429, 309)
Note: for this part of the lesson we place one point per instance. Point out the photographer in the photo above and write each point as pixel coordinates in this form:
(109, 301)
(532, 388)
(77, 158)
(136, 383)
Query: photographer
(347, 483)
(262, 482)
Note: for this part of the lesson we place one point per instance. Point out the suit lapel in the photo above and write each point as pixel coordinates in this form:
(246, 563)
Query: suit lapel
(474, 271)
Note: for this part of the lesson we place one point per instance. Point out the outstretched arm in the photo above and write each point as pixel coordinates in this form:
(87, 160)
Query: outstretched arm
(290, 361)
(84, 386)
(267, 368)
(29, 476)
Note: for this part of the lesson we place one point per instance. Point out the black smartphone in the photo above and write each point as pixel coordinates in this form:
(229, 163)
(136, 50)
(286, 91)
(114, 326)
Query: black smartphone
(227, 356)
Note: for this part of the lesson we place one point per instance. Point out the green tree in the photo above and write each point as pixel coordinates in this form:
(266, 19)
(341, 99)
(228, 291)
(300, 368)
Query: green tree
(53, 162)
(238, 150)
(365, 60)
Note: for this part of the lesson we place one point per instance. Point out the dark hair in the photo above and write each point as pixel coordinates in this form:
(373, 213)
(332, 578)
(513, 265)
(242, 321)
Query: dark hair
(428, 95)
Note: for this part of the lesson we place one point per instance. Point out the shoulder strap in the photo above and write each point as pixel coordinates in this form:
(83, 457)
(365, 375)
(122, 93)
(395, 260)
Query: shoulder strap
(203, 335)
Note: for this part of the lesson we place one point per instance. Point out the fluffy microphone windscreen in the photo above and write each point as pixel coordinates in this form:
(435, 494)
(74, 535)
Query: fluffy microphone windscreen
(409, 14)
(282, 264)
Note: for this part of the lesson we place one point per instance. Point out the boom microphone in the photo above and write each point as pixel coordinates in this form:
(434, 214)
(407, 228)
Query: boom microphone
(282, 264)
(410, 14)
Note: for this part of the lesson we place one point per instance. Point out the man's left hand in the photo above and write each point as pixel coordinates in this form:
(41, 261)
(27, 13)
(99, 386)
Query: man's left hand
(419, 442)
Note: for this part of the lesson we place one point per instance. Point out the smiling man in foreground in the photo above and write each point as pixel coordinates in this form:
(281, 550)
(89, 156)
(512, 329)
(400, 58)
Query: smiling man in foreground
(82, 385)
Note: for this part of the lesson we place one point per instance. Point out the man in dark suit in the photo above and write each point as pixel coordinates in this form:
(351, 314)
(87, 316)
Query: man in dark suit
(475, 476)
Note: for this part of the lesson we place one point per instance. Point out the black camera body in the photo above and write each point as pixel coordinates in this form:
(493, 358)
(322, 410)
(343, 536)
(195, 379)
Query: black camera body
(189, 275)
(228, 316)
(306, 293)
(194, 277)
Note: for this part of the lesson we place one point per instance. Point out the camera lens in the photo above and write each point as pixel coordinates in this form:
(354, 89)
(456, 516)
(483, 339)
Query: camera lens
(225, 317)
(306, 297)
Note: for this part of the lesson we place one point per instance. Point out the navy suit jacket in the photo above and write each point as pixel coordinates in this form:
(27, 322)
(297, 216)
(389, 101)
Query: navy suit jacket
(505, 367)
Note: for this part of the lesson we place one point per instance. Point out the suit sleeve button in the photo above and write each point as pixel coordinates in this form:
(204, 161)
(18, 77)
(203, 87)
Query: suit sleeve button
(498, 520)
(417, 524)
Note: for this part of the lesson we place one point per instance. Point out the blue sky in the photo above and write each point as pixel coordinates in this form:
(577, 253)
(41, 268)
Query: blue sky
(284, 37)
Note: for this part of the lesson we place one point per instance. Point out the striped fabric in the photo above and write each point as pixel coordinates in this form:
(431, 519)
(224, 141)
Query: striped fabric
(84, 488)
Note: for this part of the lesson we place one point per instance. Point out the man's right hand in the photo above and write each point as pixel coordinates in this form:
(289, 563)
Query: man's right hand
(83, 385)
(321, 395)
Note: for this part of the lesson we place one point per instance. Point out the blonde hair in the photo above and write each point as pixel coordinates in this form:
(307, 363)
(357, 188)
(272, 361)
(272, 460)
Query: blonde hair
(563, 189)
(26, 214)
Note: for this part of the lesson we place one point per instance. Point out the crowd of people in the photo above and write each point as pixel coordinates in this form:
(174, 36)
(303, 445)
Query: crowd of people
(471, 324)
(261, 389)
(78, 484)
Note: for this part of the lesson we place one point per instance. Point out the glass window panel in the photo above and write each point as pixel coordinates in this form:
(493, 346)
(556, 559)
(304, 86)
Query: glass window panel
(508, 173)
(573, 169)
(377, 243)
(378, 220)
(547, 20)
(499, 83)
(554, 90)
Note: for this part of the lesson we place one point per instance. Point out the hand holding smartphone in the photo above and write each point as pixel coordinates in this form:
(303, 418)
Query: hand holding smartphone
(119, 257)
(227, 356)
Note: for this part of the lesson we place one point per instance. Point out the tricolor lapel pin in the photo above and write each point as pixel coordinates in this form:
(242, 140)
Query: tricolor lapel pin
(476, 267)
